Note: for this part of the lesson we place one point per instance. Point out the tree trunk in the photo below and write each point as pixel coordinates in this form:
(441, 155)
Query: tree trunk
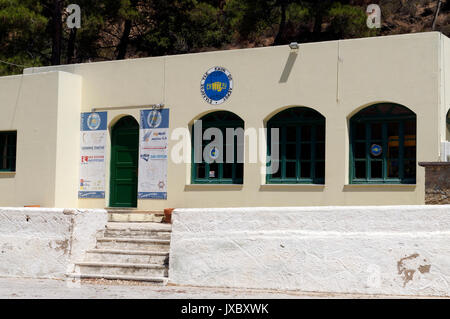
(124, 40)
(436, 14)
(56, 23)
(71, 45)
(279, 37)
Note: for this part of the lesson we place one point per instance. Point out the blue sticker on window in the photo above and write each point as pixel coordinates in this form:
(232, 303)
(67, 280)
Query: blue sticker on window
(376, 150)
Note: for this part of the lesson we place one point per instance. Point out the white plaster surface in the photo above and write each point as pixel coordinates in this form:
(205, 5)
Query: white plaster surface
(45, 242)
(391, 250)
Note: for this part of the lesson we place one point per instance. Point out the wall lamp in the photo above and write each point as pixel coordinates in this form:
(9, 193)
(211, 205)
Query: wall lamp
(294, 45)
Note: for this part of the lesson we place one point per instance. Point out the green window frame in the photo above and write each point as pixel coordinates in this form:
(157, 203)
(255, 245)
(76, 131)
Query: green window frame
(219, 173)
(301, 146)
(8, 145)
(394, 128)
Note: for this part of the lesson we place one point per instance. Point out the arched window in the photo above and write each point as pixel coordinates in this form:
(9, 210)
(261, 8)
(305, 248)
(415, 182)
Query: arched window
(383, 145)
(215, 166)
(301, 147)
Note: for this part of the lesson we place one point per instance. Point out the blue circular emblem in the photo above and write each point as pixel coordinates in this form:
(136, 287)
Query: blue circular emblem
(214, 153)
(93, 121)
(376, 150)
(154, 119)
(216, 85)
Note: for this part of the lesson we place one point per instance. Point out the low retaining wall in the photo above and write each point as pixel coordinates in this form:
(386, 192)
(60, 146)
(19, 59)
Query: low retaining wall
(45, 242)
(393, 250)
(437, 182)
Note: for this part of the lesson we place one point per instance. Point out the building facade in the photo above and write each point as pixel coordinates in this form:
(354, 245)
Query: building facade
(354, 118)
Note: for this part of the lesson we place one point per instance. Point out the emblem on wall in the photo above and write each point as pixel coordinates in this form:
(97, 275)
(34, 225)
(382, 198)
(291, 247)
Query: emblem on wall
(154, 119)
(93, 121)
(216, 85)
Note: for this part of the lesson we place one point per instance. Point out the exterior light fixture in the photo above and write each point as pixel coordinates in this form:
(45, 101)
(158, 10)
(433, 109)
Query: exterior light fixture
(293, 45)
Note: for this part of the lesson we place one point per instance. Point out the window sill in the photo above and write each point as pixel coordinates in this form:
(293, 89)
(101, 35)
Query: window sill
(379, 187)
(213, 187)
(6, 174)
(292, 187)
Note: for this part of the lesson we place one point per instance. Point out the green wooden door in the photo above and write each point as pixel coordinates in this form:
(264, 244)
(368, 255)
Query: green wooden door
(124, 163)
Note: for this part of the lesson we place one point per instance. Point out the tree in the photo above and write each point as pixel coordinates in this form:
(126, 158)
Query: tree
(22, 35)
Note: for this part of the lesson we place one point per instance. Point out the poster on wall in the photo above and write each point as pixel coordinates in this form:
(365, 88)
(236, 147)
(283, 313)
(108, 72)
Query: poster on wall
(92, 162)
(153, 152)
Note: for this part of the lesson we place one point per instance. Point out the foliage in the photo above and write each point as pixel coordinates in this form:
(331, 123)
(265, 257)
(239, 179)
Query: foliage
(34, 33)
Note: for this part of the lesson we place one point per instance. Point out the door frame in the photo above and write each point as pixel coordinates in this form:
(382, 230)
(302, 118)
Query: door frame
(113, 162)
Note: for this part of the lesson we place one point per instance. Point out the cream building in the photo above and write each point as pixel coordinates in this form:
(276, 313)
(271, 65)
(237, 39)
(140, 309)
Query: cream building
(355, 118)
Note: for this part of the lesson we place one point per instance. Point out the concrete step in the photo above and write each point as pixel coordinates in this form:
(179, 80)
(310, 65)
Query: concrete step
(127, 256)
(138, 230)
(160, 245)
(155, 280)
(104, 268)
(128, 215)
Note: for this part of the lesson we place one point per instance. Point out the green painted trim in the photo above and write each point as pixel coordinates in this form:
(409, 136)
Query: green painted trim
(221, 120)
(384, 121)
(298, 121)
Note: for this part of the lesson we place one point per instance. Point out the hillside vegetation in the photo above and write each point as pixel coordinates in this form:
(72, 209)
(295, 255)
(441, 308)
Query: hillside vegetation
(34, 32)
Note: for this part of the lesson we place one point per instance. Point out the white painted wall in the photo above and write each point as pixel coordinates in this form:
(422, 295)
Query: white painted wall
(45, 242)
(394, 250)
(44, 109)
(336, 78)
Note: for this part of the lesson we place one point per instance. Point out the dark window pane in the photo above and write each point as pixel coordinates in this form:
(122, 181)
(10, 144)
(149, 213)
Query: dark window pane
(320, 169)
(410, 151)
(277, 174)
(306, 133)
(8, 151)
(305, 170)
(393, 152)
(200, 170)
(393, 169)
(227, 170)
(410, 127)
(376, 133)
(305, 151)
(393, 129)
(291, 171)
(320, 151)
(291, 133)
(320, 132)
(359, 150)
(240, 172)
(360, 131)
(376, 169)
(410, 169)
(360, 169)
(291, 150)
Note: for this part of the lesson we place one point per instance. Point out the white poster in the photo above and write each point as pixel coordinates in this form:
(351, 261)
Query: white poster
(92, 163)
(153, 154)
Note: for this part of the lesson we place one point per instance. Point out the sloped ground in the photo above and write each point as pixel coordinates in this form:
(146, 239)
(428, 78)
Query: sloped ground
(18, 288)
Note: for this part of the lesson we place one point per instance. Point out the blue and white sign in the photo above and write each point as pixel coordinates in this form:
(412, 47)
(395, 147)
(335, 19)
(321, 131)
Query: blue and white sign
(153, 153)
(216, 85)
(376, 150)
(92, 161)
(214, 153)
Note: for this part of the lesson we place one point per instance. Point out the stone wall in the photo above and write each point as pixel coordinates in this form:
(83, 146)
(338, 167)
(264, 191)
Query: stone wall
(45, 242)
(392, 250)
(437, 182)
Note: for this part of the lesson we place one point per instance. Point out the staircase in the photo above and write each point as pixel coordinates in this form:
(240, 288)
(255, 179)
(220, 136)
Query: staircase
(134, 246)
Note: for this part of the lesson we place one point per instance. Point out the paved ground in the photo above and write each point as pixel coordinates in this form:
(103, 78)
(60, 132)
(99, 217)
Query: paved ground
(58, 289)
